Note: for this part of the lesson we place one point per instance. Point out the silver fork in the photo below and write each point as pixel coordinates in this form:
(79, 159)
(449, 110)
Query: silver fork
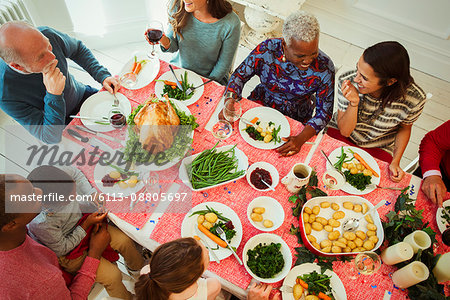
(223, 236)
(116, 101)
(191, 90)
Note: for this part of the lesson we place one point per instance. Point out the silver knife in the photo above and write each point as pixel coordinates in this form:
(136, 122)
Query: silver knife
(176, 79)
(94, 142)
(99, 134)
(207, 245)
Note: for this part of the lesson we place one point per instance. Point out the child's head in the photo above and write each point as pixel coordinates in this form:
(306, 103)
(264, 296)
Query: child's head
(53, 181)
(174, 267)
(15, 215)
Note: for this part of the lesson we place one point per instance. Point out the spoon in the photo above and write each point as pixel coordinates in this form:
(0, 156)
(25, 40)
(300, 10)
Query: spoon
(268, 185)
(329, 161)
(353, 223)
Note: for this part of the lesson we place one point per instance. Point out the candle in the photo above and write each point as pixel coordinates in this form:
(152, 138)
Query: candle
(419, 239)
(410, 275)
(397, 253)
(442, 269)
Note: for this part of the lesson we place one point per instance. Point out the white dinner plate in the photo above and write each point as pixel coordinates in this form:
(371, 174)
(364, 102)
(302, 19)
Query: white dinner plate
(152, 167)
(148, 72)
(265, 115)
(190, 222)
(273, 212)
(335, 282)
(98, 106)
(184, 174)
(192, 78)
(347, 187)
(442, 225)
(114, 191)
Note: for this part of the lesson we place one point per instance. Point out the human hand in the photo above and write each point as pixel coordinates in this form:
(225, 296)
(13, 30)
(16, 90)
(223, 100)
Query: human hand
(395, 172)
(100, 239)
(261, 291)
(292, 146)
(54, 80)
(350, 92)
(111, 84)
(93, 218)
(434, 188)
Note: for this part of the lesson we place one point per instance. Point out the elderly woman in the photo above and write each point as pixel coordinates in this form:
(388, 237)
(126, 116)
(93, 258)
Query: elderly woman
(378, 103)
(205, 35)
(295, 75)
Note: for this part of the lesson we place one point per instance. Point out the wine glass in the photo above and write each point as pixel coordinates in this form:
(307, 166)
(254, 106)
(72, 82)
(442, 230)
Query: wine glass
(222, 130)
(366, 263)
(154, 34)
(232, 110)
(117, 118)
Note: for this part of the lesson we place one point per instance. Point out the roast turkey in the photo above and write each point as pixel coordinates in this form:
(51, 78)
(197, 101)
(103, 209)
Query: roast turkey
(156, 124)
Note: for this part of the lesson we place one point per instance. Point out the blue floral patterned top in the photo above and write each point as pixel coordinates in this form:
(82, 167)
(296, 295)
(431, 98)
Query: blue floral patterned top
(286, 88)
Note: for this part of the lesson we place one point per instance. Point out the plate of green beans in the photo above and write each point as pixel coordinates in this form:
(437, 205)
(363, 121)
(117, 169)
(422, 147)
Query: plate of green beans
(213, 167)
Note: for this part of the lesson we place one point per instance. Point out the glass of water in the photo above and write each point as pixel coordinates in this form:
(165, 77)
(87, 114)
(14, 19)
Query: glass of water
(232, 110)
(367, 263)
(222, 129)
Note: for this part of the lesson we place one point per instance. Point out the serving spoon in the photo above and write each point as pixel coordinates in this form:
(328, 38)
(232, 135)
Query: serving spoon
(353, 223)
(268, 186)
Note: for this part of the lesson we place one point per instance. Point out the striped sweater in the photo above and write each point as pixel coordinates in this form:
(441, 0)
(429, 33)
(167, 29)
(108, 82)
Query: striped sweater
(376, 127)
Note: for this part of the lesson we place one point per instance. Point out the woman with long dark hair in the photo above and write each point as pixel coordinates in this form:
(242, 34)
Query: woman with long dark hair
(379, 102)
(205, 35)
(174, 273)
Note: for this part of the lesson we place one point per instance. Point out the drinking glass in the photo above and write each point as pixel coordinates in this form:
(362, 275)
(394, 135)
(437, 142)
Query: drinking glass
(366, 263)
(232, 110)
(128, 80)
(154, 33)
(117, 118)
(222, 130)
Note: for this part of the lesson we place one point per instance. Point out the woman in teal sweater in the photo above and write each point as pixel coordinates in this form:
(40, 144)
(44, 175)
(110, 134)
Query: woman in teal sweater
(205, 35)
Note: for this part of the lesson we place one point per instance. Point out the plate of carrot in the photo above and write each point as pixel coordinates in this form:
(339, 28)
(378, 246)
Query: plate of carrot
(361, 170)
(204, 218)
(144, 68)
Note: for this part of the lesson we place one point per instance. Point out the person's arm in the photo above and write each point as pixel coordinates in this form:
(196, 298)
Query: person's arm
(85, 278)
(169, 42)
(46, 124)
(431, 151)
(246, 70)
(50, 234)
(324, 111)
(348, 102)
(84, 187)
(401, 141)
(227, 52)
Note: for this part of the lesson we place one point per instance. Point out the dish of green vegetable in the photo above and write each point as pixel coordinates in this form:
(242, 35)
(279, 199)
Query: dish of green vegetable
(267, 257)
(268, 127)
(166, 84)
(213, 167)
(225, 214)
(328, 282)
(359, 179)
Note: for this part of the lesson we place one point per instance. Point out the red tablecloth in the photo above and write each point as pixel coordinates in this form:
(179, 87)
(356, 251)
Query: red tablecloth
(238, 194)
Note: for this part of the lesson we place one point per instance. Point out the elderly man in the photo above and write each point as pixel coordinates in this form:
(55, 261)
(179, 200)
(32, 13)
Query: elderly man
(295, 75)
(36, 88)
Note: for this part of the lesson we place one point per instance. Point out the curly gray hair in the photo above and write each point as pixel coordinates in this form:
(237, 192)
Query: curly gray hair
(302, 26)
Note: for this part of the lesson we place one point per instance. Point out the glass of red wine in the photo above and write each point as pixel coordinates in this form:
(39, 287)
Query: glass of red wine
(154, 34)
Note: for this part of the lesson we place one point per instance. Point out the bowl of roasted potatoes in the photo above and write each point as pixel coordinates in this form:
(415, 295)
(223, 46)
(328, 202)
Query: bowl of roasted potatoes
(265, 213)
(321, 226)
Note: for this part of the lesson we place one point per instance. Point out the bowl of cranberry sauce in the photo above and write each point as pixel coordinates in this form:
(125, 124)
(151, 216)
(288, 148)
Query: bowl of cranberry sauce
(262, 173)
